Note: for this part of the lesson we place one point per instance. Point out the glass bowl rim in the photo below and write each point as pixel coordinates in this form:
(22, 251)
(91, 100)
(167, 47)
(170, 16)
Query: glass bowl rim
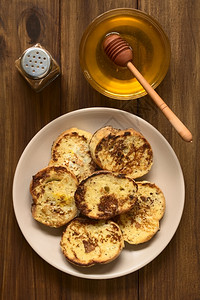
(103, 16)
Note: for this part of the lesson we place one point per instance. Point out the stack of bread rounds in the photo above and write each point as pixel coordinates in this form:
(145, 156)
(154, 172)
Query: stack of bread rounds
(90, 186)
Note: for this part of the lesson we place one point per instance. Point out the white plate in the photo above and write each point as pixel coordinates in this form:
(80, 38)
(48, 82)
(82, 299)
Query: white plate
(166, 173)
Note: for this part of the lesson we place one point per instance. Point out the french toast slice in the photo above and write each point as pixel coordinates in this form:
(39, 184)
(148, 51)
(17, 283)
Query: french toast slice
(71, 149)
(104, 195)
(141, 223)
(122, 151)
(87, 242)
(52, 190)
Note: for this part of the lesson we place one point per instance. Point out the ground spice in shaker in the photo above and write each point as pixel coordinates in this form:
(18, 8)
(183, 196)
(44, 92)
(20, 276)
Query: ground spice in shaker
(38, 67)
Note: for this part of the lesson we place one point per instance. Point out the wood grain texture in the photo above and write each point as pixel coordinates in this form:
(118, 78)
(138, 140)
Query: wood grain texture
(58, 26)
(79, 13)
(180, 91)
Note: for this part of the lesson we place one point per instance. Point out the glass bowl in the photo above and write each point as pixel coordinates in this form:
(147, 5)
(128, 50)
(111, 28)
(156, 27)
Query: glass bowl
(151, 53)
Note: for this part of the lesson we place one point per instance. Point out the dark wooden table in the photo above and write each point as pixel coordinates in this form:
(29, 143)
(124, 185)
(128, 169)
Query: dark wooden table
(58, 26)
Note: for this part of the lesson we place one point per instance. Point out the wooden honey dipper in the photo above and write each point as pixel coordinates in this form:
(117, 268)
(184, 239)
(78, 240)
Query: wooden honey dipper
(119, 51)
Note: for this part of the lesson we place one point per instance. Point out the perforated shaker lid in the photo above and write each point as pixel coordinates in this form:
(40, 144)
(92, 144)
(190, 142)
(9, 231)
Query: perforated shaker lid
(36, 62)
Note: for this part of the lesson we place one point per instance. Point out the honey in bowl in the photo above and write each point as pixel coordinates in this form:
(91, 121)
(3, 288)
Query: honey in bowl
(151, 53)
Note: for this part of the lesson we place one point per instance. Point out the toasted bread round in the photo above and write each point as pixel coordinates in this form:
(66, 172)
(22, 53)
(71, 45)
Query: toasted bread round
(122, 151)
(71, 149)
(86, 242)
(141, 223)
(52, 190)
(152, 199)
(104, 195)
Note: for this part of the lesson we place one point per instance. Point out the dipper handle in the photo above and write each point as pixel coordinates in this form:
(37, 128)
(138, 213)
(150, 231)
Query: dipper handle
(119, 51)
(173, 119)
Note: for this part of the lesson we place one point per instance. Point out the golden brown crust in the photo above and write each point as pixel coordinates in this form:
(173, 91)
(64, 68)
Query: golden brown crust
(104, 195)
(45, 175)
(52, 190)
(71, 149)
(152, 198)
(123, 151)
(141, 223)
(87, 242)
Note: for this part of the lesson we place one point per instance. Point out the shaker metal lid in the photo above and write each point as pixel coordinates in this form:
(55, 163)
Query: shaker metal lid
(36, 62)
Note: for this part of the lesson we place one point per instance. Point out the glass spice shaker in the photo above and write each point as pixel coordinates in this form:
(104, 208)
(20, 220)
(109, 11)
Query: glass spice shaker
(38, 67)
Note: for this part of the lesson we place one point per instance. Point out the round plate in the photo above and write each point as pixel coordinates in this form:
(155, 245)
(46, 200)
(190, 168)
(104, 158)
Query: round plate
(149, 43)
(166, 173)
